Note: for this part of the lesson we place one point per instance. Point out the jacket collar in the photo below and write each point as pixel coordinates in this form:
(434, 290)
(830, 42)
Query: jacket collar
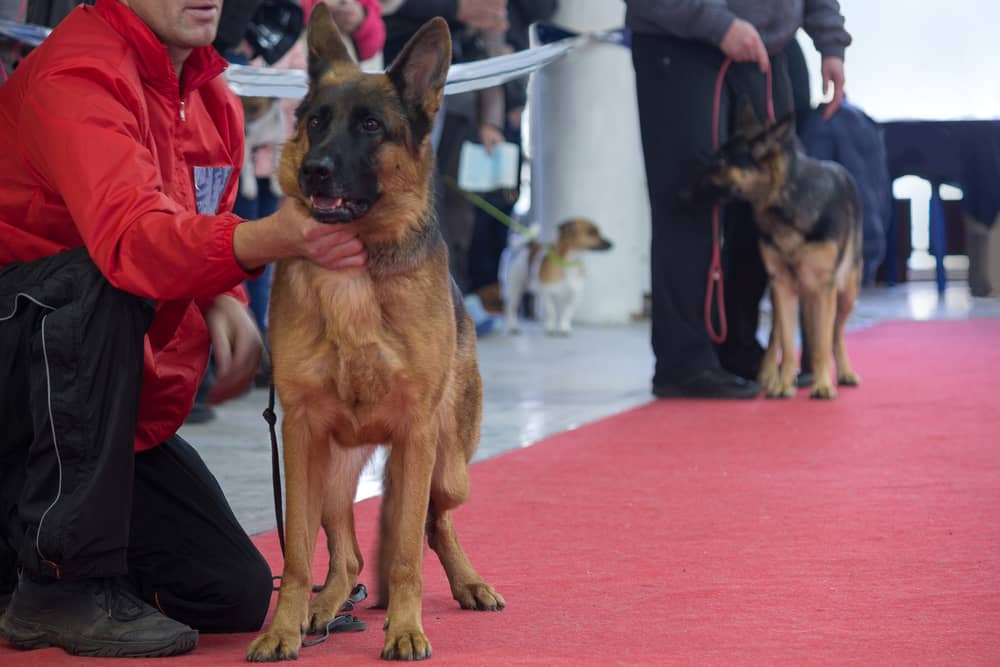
(155, 66)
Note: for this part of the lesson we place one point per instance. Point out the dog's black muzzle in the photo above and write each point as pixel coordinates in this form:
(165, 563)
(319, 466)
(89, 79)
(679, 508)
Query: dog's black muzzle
(328, 202)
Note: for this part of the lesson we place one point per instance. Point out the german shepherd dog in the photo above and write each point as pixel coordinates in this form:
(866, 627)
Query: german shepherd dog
(383, 354)
(808, 213)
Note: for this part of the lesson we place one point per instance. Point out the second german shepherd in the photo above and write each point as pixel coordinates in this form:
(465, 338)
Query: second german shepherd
(808, 213)
(384, 354)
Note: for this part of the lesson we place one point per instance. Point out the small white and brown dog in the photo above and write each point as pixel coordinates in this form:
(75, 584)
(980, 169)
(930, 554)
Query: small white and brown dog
(552, 273)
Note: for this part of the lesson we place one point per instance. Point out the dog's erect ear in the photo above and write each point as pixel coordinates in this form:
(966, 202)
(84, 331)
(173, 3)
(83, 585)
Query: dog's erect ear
(772, 140)
(783, 129)
(326, 45)
(419, 73)
(747, 123)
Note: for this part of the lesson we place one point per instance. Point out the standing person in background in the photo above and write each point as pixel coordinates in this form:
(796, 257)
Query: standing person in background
(678, 47)
(478, 28)
(489, 236)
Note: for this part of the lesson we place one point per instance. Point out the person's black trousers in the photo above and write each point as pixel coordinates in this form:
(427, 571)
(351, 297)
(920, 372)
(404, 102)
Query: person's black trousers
(76, 501)
(675, 85)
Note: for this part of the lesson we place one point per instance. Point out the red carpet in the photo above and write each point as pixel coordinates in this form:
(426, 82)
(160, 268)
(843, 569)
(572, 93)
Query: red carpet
(865, 531)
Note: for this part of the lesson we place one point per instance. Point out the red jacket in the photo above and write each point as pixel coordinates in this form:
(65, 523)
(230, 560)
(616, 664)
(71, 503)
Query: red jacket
(102, 147)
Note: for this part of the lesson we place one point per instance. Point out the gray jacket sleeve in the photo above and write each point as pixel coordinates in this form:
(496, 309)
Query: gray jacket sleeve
(706, 20)
(824, 23)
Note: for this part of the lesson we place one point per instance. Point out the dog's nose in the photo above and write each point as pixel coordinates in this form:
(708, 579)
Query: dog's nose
(317, 170)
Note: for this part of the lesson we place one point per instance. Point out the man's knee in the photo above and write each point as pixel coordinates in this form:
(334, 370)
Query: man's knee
(249, 597)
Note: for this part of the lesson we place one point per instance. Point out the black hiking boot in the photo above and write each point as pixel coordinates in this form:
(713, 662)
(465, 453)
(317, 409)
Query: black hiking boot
(92, 617)
(8, 575)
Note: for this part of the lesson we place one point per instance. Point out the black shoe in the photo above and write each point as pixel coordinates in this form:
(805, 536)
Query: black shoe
(92, 617)
(709, 383)
(745, 362)
(8, 576)
(804, 379)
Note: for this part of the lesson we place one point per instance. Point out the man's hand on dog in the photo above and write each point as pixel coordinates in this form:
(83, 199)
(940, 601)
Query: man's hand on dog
(237, 346)
(743, 44)
(833, 75)
(290, 232)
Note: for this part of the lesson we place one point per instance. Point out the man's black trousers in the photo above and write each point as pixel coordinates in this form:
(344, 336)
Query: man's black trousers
(76, 501)
(675, 85)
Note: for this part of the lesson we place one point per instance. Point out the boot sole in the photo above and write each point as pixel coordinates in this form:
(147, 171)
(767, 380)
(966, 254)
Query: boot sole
(29, 636)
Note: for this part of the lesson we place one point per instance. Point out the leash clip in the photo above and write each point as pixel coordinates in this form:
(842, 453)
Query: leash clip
(343, 622)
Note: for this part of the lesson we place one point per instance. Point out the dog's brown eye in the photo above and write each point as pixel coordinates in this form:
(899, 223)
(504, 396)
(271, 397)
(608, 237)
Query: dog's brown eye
(371, 125)
(313, 122)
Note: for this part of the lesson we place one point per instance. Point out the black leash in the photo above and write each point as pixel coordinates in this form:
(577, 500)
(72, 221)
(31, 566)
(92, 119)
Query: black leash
(279, 513)
(342, 622)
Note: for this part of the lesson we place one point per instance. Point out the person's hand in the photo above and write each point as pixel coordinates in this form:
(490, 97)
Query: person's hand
(483, 14)
(347, 14)
(742, 43)
(331, 246)
(489, 137)
(237, 346)
(290, 232)
(833, 75)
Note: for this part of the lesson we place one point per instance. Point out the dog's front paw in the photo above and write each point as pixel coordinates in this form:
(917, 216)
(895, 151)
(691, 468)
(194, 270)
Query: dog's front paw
(405, 644)
(768, 377)
(823, 390)
(778, 388)
(480, 596)
(848, 378)
(275, 645)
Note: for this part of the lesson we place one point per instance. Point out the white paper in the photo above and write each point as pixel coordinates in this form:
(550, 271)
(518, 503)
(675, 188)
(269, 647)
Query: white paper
(479, 172)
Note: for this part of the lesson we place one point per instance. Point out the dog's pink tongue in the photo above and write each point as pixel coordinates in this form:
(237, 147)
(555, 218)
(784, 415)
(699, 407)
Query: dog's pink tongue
(327, 202)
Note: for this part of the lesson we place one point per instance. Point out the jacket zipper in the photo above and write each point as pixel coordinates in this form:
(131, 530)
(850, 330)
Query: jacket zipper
(183, 118)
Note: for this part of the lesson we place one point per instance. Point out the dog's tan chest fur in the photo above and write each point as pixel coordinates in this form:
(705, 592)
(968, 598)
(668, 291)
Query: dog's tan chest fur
(355, 368)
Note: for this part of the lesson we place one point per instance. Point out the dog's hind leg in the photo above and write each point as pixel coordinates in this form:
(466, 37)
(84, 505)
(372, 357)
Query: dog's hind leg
(306, 464)
(845, 304)
(449, 489)
(338, 524)
(768, 376)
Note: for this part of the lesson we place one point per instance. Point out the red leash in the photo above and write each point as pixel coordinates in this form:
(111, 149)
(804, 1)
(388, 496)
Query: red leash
(715, 284)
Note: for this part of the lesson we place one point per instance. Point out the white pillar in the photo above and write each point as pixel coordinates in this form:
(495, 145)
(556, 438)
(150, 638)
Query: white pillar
(587, 160)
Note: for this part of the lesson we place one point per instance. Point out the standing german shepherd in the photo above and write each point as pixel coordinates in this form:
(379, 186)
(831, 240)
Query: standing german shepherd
(384, 354)
(808, 213)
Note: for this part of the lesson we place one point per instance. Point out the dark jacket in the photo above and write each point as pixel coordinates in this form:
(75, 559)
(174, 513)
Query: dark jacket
(775, 20)
(522, 13)
(856, 141)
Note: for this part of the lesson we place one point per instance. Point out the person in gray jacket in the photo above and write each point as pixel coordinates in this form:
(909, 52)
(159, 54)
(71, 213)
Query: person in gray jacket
(678, 48)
